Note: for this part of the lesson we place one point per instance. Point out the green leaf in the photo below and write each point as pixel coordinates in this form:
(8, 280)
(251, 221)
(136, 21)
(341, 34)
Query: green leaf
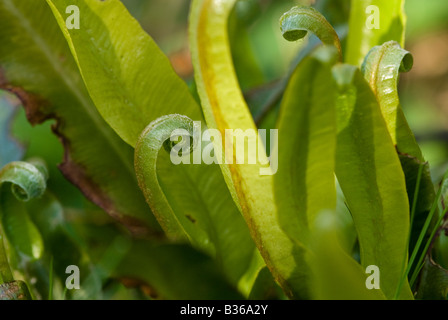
(10, 149)
(305, 183)
(191, 201)
(251, 185)
(365, 33)
(336, 275)
(37, 66)
(433, 282)
(297, 22)
(381, 69)
(126, 59)
(369, 172)
(20, 182)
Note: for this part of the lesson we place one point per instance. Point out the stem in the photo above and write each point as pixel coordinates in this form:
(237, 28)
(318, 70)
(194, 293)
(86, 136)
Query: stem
(427, 246)
(50, 290)
(414, 205)
(423, 233)
(415, 199)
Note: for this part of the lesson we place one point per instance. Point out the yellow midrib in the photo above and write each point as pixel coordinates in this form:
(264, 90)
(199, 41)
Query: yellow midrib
(225, 108)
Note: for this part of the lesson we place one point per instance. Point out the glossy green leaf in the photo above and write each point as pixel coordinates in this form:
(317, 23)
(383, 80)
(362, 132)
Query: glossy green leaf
(381, 69)
(21, 182)
(336, 275)
(305, 183)
(128, 77)
(191, 201)
(372, 26)
(251, 185)
(37, 66)
(10, 149)
(369, 172)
